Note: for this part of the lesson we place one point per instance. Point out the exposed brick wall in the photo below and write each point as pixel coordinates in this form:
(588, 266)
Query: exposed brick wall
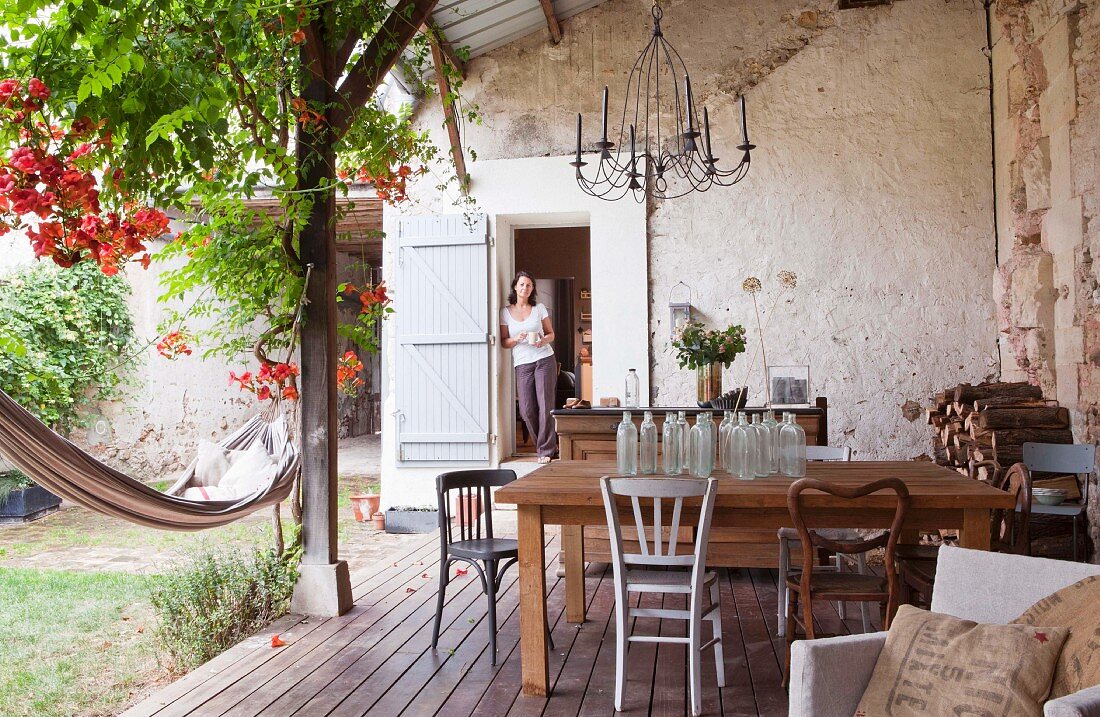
(1046, 62)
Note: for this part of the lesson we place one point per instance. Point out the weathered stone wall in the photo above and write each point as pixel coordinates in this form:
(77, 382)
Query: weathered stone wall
(167, 406)
(1046, 61)
(872, 182)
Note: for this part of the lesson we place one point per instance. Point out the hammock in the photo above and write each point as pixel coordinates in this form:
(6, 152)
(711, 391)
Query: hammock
(59, 466)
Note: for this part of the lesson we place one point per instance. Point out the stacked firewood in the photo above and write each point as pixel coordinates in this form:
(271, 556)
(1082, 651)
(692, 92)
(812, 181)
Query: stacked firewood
(992, 421)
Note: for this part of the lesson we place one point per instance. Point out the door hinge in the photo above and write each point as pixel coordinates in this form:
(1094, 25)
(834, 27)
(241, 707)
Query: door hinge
(493, 439)
(492, 339)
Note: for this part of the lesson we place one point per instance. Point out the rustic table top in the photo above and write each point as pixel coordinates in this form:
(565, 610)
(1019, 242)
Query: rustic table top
(930, 486)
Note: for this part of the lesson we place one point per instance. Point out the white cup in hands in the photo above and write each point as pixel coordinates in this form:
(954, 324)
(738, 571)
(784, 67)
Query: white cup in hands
(533, 337)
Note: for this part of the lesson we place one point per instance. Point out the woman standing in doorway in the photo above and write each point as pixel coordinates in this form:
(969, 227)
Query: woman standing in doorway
(525, 328)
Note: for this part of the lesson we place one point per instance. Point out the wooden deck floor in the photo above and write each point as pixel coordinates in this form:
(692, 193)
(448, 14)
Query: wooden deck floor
(377, 659)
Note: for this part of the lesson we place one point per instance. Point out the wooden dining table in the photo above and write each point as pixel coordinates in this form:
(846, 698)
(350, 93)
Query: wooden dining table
(567, 493)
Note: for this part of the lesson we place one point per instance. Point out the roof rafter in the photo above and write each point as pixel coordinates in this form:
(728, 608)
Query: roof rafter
(449, 115)
(435, 33)
(378, 58)
(551, 20)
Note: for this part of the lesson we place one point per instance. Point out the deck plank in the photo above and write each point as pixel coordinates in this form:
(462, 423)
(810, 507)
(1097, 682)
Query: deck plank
(377, 659)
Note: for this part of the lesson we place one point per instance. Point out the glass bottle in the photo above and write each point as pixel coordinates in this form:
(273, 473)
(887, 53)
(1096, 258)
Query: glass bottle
(738, 448)
(773, 439)
(685, 442)
(626, 446)
(723, 438)
(670, 448)
(792, 448)
(647, 441)
(763, 440)
(702, 446)
(633, 389)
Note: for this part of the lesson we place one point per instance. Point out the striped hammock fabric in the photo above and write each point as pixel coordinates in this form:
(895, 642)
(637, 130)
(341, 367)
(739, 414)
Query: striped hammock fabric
(60, 466)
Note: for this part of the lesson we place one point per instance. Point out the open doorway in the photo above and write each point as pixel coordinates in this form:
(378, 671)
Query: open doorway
(560, 260)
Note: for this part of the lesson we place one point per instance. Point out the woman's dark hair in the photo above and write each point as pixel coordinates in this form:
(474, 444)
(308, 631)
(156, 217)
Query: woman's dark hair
(512, 298)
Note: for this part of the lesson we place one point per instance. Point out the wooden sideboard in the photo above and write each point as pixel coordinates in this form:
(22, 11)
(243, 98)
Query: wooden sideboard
(589, 434)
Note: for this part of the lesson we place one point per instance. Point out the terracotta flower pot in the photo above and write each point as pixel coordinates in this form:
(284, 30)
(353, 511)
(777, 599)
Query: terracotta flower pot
(467, 509)
(373, 501)
(358, 503)
(379, 520)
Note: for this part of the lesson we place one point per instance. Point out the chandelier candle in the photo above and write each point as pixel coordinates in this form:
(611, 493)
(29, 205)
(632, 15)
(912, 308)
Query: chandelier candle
(676, 161)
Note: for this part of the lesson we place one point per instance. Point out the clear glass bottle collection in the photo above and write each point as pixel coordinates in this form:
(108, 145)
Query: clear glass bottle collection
(744, 449)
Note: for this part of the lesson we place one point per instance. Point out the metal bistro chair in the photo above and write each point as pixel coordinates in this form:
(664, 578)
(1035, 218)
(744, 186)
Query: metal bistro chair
(787, 535)
(632, 573)
(476, 543)
(807, 585)
(1078, 459)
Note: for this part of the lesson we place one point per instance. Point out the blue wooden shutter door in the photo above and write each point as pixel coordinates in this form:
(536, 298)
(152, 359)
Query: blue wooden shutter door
(443, 337)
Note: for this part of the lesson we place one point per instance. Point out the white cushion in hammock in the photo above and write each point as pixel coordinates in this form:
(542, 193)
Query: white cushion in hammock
(250, 473)
(212, 463)
(212, 492)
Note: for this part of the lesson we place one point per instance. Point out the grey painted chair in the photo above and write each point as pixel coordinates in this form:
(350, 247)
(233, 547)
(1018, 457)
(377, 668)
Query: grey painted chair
(789, 535)
(1078, 459)
(489, 555)
(634, 572)
(828, 676)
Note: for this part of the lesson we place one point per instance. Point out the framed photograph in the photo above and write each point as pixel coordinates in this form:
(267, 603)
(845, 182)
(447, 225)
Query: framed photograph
(790, 386)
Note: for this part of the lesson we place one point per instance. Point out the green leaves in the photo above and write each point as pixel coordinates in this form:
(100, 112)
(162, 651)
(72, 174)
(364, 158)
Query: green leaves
(63, 335)
(105, 76)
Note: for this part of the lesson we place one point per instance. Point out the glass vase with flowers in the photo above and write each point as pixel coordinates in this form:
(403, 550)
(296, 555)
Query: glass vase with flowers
(708, 351)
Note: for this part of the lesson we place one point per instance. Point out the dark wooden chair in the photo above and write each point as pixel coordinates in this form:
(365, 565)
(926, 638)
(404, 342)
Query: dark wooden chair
(806, 586)
(477, 546)
(1009, 533)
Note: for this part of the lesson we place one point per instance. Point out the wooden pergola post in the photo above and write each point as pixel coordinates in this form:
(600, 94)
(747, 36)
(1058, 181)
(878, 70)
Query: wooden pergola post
(324, 585)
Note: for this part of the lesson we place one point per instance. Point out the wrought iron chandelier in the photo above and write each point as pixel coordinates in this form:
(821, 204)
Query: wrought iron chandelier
(664, 166)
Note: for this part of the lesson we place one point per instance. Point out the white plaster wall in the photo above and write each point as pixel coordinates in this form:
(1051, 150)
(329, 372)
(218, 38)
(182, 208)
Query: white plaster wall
(872, 181)
(522, 193)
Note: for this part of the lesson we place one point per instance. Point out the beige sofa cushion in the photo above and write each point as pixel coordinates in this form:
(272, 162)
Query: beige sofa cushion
(936, 664)
(1076, 607)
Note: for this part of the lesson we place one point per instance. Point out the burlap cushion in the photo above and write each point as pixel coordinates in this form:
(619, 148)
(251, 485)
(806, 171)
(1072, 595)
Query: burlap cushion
(1076, 607)
(936, 664)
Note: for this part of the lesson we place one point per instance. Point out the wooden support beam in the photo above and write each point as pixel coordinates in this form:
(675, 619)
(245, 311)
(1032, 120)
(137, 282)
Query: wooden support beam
(324, 587)
(377, 59)
(444, 86)
(435, 34)
(551, 20)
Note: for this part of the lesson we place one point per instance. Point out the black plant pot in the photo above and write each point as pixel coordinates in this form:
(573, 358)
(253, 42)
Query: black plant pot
(27, 504)
(734, 400)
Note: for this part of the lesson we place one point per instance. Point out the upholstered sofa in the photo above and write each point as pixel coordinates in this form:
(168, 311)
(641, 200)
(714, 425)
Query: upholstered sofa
(828, 676)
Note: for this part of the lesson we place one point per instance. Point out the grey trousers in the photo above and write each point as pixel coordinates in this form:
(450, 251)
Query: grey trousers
(536, 387)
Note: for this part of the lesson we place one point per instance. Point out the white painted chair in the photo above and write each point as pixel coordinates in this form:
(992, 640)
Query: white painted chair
(635, 572)
(789, 535)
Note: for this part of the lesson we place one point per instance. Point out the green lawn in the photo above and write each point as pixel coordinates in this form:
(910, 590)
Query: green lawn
(73, 643)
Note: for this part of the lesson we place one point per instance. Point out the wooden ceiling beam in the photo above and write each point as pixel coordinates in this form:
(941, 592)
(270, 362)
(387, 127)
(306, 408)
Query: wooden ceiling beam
(449, 115)
(433, 31)
(551, 20)
(377, 59)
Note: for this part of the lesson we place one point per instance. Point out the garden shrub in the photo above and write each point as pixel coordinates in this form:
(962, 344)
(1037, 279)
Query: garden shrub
(70, 327)
(218, 598)
(10, 482)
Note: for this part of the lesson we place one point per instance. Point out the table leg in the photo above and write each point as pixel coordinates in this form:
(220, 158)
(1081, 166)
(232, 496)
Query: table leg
(572, 548)
(975, 529)
(534, 658)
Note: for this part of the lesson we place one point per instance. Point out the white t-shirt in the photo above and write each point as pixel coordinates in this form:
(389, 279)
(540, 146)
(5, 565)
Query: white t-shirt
(523, 352)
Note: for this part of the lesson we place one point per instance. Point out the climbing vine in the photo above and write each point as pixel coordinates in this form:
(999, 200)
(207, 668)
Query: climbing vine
(69, 331)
